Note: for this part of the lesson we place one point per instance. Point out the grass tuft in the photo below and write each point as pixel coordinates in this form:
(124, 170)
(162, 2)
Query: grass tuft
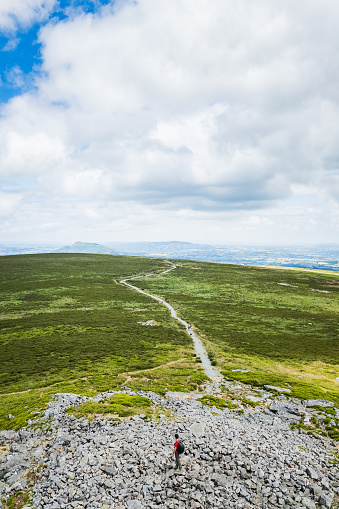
(217, 402)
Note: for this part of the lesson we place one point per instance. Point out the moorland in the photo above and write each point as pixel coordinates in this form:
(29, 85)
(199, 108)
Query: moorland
(280, 325)
(69, 325)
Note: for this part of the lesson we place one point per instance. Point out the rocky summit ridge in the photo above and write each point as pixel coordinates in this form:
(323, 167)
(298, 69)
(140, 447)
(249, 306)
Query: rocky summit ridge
(240, 459)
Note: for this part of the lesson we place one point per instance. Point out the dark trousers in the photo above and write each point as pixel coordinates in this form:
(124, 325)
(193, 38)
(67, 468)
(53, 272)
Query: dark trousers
(177, 461)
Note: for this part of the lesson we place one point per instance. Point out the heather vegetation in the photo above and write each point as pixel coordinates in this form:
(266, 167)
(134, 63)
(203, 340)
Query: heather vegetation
(69, 325)
(119, 405)
(279, 325)
(214, 401)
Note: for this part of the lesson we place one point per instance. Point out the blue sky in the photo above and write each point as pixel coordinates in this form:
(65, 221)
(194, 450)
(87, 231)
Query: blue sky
(21, 48)
(190, 120)
(25, 59)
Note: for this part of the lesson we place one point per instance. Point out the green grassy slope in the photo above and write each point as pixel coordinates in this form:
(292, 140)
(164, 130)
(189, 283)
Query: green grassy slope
(66, 320)
(64, 317)
(248, 320)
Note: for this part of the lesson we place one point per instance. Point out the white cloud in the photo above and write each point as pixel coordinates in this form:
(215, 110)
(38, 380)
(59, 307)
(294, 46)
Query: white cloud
(11, 44)
(29, 155)
(14, 13)
(9, 203)
(15, 77)
(180, 106)
(332, 185)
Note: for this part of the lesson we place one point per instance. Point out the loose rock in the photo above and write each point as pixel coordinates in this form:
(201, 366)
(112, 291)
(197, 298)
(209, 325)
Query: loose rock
(235, 460)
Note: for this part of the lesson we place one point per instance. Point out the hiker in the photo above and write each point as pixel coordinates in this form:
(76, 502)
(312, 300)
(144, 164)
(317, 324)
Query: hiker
(178, 449)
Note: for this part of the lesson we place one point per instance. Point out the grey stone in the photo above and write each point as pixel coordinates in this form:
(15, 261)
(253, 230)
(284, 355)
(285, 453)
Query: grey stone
(220, 479)
(312, 473)
(134, 504)
(307, 502)
(318, 402)
(109, 470)
(326, 499)
(274, 388)
(286, 408)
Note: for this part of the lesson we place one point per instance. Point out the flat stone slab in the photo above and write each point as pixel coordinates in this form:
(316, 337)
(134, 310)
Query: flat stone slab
(183, 395)
(287, 408)
(318, 402)
(274, 388)
(255, 399)
(198, 427)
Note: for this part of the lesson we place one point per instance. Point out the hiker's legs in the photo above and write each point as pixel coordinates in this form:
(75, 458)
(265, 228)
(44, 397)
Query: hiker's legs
(177, 461)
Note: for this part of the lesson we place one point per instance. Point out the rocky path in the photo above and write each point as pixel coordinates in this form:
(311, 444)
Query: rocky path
(200, 350)
(232, 459)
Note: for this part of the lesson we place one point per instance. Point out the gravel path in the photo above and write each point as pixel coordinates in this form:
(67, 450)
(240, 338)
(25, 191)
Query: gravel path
(200, 350)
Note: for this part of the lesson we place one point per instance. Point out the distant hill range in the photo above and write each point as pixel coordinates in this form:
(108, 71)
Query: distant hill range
(86, 247)
(155, 249)
(325, 257)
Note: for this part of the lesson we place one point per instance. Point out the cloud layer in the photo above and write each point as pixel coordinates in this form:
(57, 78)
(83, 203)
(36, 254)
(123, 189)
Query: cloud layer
(188, 112)
(16, 13)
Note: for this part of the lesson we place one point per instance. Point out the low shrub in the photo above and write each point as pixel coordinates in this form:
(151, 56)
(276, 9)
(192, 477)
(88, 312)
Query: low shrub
(122, 405)
(217, 402)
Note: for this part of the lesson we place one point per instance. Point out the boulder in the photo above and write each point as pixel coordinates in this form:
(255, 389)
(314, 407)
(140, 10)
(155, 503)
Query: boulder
(287, 409)
(318, 402)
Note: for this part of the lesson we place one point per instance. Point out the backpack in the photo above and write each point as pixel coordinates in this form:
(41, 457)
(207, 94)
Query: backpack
(180, 447)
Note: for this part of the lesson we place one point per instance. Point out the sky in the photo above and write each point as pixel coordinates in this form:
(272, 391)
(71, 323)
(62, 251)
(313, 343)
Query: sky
(191, 120)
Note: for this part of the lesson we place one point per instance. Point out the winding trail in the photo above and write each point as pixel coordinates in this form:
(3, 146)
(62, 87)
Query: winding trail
(200, 350)
(206, 363)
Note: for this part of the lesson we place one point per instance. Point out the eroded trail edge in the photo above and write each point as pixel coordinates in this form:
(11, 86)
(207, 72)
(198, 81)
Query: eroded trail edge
(200, 350)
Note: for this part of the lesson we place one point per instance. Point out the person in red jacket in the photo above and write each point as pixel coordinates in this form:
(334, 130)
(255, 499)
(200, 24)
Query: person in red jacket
(176, 453)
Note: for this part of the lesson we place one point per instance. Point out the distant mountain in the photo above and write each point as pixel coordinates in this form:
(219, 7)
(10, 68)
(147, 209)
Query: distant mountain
(86, 247)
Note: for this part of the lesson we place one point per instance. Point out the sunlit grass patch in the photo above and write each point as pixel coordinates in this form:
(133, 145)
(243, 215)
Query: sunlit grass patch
(298, 388)
(217, 402)
(17, 409)
(325, 410)
(119, 405)
(18, 500)
(181, 377)
(250, 402)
